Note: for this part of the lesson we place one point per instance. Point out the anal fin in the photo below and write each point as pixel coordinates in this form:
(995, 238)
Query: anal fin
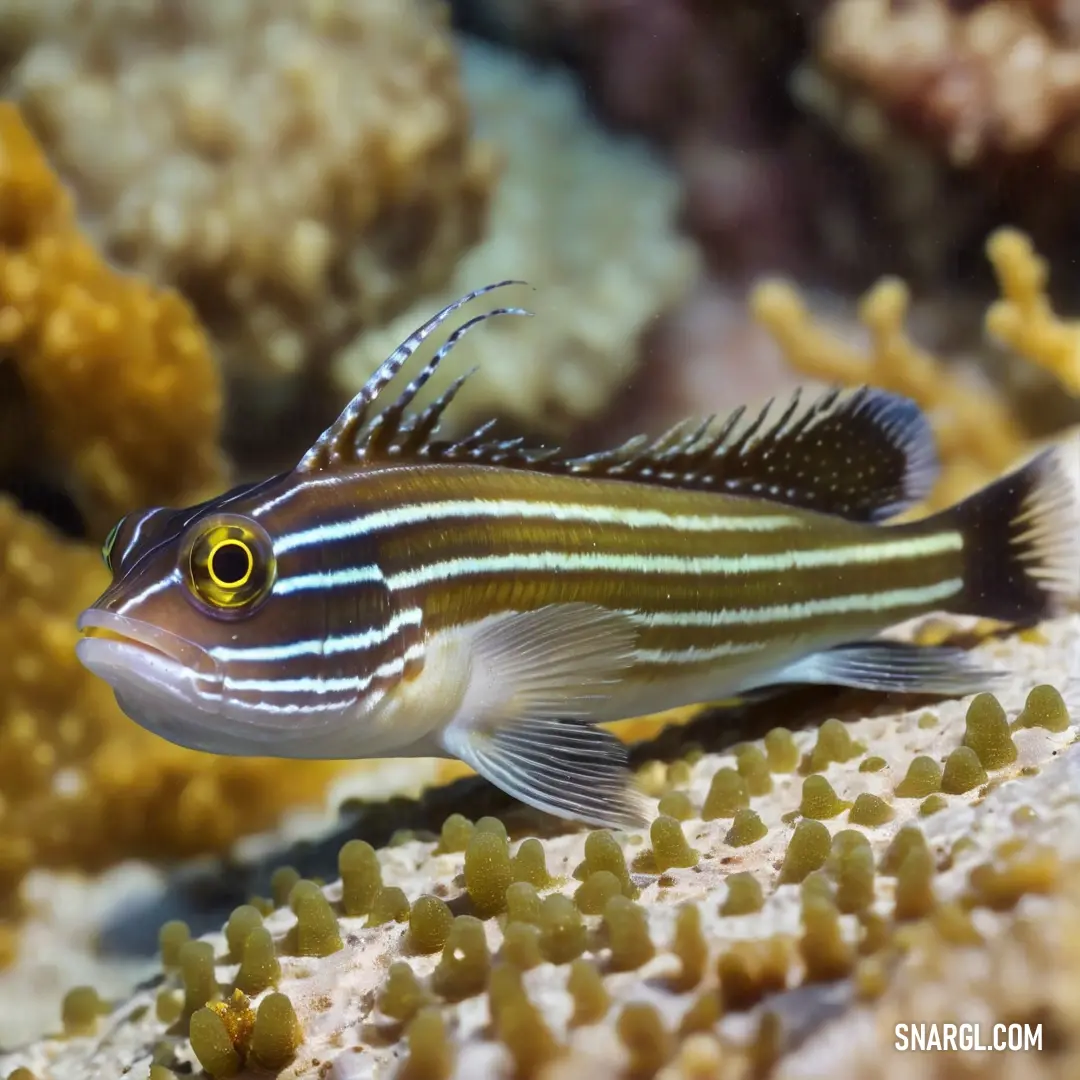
(560, 766)
(893, 667)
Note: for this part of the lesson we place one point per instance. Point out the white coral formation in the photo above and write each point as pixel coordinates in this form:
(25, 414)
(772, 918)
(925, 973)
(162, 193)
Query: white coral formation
(298, 169)
(587, 219)
(1032, 801)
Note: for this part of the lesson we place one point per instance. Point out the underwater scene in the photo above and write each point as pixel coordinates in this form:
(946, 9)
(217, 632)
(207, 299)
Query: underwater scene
(539, 539)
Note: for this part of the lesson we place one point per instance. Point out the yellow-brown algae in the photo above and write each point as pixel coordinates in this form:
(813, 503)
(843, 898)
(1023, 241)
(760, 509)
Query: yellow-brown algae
(1045, 708)
(316, 931)
(963, 772)
(492, 825)
(677, 805)
(361, 877)
(429, 924)
(169, 1006)
(932, 804)
(908, 838)
(872, 764)
(914, 895)
(521, 945)
(750, 970)
(690, 946)
(488, 871)
(669, 844)
(602, 852)
(825, 954)
(744, 894)
(727, 793)
(987, 732)
(431, 1051)
(922, 778)
(781, 751)
(520, 1024)
(80, 1010)
(642, 1032)
(595, 891)
(462, 971)
(390, 905)
(851, 864)
(276, 1033)
(211, 1044)
(259, 965)
(807, 851)
(241, 922)
(402, 995)
(753, 767)
(282, 882)
(456, 832)
(746, 828)
(627, 926)
(1026, 868)
(586, 986)
(834, 744)
(563, 935)
(171, 937)
(196, 960)
(702, 1016)
(530, 864)
(870, 811)
(819, 801)
(523, 903)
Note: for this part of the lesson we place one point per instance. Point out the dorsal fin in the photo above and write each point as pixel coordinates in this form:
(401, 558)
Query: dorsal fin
(351, 438)
(863, 454)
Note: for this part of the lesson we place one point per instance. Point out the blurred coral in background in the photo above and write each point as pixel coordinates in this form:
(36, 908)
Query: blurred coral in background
(217, 217)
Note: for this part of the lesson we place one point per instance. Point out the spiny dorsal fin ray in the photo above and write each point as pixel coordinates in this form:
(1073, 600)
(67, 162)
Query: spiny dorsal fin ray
(863, 454)
(345, 441)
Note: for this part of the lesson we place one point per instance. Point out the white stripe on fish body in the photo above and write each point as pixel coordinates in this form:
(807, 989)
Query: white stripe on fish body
(331, 645)
(379, 521)
(365, 574)
(914, 547)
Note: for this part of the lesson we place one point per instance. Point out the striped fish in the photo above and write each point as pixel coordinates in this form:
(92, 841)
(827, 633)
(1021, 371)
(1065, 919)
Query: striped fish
(398, 594)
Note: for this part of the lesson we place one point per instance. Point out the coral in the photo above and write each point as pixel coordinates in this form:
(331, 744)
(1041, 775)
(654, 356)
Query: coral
(582, 216)
(123, 389)
(299, 171)
(629, 961)
(980, 79)
(978, 433)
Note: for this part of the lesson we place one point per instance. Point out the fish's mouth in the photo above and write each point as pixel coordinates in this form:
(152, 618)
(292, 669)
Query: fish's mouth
(121, 636)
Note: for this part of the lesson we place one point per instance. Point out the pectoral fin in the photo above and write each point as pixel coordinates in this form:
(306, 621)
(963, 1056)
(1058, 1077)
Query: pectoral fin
(524, 724)
(564, 767)
(893, 667)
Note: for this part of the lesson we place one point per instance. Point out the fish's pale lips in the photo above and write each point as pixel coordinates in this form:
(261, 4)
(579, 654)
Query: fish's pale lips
(144, 637)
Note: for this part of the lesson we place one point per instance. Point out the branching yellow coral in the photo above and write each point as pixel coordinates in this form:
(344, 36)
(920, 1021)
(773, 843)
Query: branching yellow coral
(978, 436)
(1024, 318)
(81, 785)
(118, 373)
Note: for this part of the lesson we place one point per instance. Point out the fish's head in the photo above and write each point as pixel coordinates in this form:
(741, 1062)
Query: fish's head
(214, 640)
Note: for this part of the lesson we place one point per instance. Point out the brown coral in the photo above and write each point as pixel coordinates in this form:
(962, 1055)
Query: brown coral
(984, 79)
(298, 171)
(122, 386)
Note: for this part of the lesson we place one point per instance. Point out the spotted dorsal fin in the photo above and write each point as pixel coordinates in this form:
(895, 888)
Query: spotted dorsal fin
(863, 454)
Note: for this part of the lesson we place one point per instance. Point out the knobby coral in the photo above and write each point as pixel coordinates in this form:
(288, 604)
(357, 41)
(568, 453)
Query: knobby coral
(796, 890)
(120, 381)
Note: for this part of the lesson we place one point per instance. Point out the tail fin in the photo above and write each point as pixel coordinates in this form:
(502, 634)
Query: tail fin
(1022, 543)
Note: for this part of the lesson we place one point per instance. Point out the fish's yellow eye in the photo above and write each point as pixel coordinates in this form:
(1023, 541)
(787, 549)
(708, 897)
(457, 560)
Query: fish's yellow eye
(230, 563)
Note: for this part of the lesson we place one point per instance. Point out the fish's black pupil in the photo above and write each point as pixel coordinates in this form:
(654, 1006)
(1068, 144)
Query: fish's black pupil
(230, 563)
